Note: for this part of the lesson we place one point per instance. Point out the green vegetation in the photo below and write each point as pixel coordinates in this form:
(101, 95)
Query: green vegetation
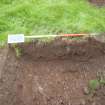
(2, 44)
(49, 17)
(101, 77)
(18, 50)
(93, 84)
(100, 80)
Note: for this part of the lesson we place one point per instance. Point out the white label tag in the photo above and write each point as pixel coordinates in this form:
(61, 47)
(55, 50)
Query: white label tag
(16, 38)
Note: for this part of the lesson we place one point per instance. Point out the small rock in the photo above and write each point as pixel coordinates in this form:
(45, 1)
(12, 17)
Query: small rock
(86, 91)
(100, 38)
(83, 102)
(68, 49)
(93, 103)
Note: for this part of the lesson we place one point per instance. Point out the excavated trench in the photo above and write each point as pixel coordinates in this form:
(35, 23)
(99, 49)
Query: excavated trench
(54, 73)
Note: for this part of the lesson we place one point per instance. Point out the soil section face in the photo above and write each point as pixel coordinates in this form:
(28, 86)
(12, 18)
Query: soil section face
(54, 73)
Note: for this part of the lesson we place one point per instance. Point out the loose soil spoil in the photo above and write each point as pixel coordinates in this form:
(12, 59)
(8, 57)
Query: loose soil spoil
(54, 73)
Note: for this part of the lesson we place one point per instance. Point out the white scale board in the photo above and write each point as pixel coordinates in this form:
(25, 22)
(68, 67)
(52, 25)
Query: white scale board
(17, 38)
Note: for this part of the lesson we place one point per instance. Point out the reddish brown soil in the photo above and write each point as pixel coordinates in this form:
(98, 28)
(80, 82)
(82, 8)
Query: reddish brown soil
(98, 2)
(52, 74)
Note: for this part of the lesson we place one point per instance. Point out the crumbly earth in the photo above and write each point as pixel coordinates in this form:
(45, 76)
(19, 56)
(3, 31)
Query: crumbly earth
(53, 73)
(98, 2)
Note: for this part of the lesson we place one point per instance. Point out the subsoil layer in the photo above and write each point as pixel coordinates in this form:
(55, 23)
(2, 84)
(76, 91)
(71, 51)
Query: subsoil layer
(54, 73)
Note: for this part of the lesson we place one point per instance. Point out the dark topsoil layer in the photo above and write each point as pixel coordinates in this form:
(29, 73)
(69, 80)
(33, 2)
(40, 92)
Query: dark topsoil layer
(55, 73)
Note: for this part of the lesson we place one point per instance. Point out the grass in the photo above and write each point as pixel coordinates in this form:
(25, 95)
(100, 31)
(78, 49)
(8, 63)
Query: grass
(99, 81)
(18, 51)
(49, 17)
(93, 84)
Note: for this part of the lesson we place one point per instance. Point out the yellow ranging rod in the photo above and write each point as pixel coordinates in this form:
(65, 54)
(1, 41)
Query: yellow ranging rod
(20, 38)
